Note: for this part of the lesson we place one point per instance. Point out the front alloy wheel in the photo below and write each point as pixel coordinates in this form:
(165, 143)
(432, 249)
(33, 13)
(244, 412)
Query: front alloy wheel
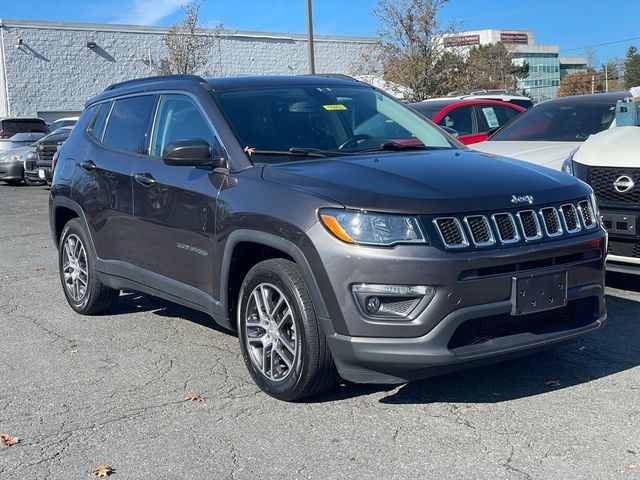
(282, 343)
(270, 332)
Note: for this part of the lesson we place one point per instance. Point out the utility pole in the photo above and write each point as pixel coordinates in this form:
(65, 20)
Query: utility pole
(593, 84)
(312, 65)
(606, 77)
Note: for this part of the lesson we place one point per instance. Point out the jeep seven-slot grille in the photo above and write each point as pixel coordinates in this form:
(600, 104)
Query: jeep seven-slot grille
(570, 218)
(551, 221)
(480, 230)
(451, 232)
(507, 228)
(602, 181)
(530, 225)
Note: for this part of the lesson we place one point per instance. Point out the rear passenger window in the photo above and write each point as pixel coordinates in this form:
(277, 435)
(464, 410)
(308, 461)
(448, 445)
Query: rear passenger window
(128, 123)
(96, 129)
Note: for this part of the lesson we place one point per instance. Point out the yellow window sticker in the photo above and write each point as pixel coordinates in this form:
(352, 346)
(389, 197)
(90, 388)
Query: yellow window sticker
(338, 106)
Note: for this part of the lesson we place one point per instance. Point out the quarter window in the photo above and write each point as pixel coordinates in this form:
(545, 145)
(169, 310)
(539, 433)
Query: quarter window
(179, 118)
(97, 127)
(128, 123)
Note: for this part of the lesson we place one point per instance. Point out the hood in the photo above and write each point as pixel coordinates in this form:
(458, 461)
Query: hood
(549, 154)
(17, 151)
(617, 147)
(432, 182)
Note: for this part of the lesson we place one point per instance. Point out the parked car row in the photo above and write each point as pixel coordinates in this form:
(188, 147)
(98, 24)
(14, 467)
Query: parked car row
(27, 155)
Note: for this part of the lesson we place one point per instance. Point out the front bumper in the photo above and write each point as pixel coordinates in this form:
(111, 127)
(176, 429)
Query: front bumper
(12, 171)
(623, 253)
(470, 286)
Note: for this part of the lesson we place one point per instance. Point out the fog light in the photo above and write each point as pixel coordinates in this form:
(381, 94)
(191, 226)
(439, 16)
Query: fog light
(373, 304)
(394, 302)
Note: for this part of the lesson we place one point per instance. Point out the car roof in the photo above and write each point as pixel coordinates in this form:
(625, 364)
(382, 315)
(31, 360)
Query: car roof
(22, 118)
(441, 103)
(150, 84)
(609, 97)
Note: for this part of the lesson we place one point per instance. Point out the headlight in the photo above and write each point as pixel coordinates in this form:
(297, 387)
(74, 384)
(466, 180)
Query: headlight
(567, 165)
(596, 209)
(372, 228)
(31, 156)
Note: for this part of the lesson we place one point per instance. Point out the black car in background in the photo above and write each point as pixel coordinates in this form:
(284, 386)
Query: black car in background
(38, 165)
(279, 206)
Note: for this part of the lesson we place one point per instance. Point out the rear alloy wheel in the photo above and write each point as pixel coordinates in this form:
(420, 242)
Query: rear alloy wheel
(282, 343)
(83, 289)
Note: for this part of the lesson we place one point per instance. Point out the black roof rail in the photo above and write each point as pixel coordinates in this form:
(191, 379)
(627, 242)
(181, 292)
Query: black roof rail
(158, 78)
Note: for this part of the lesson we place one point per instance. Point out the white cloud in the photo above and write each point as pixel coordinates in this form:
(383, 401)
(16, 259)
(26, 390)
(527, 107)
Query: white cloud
(148, 12)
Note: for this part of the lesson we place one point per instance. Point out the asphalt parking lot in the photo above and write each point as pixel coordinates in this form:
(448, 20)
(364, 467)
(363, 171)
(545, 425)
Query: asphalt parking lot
(80, 392)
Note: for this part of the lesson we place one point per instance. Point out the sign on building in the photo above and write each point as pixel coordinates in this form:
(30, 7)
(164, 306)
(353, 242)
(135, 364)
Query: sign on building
(462, 40)
(512, 37)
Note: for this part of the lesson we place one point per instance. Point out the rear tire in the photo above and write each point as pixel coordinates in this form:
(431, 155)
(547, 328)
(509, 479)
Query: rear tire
(85, 293)
(282, 343)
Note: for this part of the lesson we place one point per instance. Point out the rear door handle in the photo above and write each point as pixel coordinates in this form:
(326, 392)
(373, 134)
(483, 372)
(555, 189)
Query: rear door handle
(145, 179)
(88, 165)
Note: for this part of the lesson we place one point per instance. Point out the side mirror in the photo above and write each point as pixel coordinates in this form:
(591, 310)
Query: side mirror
(192, 152)
(451, 131)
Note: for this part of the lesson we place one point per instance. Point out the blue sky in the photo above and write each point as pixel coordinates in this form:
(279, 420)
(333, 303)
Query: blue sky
(572, 24)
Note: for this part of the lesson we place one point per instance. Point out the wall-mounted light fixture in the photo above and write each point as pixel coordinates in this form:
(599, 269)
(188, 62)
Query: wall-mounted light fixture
(92, 44)
(19, 43)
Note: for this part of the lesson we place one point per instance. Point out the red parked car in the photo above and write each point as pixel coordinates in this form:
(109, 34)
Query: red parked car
(472, 119)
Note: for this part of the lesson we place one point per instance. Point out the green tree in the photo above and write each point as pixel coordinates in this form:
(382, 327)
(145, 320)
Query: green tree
(632, 68)
(492, 67)
(413, 47)
(580, 83)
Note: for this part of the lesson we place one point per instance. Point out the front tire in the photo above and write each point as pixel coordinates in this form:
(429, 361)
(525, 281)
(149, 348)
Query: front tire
(85, 293)
(282, 344)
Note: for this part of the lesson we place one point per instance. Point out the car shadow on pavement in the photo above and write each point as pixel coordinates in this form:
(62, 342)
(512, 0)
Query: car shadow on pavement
(132, 302)
(623, 281)
(611, 350)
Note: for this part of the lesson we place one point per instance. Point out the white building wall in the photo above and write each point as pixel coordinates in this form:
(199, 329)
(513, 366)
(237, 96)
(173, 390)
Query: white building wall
(53, 70)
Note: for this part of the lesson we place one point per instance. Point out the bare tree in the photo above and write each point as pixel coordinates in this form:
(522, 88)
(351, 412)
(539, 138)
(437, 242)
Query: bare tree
(188, 44)
(413, 43)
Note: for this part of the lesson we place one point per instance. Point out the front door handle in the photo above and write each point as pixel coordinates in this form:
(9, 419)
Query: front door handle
(88, 164)
(145, 179)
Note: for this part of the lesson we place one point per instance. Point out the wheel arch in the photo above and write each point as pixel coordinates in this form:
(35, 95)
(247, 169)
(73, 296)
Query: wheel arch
(286, 249)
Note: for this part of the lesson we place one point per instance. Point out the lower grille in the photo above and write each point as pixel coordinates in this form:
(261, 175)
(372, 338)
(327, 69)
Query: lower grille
(624, 248)
(576, 314)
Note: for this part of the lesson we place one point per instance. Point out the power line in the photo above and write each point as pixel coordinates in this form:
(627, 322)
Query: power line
(600, 44)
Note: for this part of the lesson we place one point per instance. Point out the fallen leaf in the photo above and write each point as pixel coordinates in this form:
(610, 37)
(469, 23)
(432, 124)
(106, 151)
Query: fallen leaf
(632, 466)
(103, 471)
(552, 383)
(39, 269)
(7, 440)
(194, 397)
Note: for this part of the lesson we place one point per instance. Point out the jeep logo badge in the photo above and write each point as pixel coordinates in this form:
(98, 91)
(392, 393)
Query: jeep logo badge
(515, 199)
(623, 184)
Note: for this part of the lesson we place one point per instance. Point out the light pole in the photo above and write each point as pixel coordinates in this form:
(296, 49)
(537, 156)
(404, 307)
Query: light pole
(312, 66)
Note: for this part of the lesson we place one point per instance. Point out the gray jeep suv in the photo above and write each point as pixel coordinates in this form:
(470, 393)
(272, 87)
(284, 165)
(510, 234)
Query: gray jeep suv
(335, 230)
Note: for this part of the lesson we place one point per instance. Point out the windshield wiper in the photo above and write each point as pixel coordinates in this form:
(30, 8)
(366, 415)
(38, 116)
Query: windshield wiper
(394, 147)
(292, 152)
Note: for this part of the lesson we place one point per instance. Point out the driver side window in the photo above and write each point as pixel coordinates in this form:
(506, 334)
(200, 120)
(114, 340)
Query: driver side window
(180, 118)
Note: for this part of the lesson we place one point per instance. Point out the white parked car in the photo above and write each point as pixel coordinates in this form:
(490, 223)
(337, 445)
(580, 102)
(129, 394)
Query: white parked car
(63, 122)
(609, 162)
(547, 133)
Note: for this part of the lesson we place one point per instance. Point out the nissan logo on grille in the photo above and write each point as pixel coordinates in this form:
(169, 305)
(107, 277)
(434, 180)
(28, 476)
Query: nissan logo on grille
(623, 184)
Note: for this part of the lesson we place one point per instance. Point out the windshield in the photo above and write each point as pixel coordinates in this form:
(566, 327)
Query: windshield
(559, 122)
(324, 121)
